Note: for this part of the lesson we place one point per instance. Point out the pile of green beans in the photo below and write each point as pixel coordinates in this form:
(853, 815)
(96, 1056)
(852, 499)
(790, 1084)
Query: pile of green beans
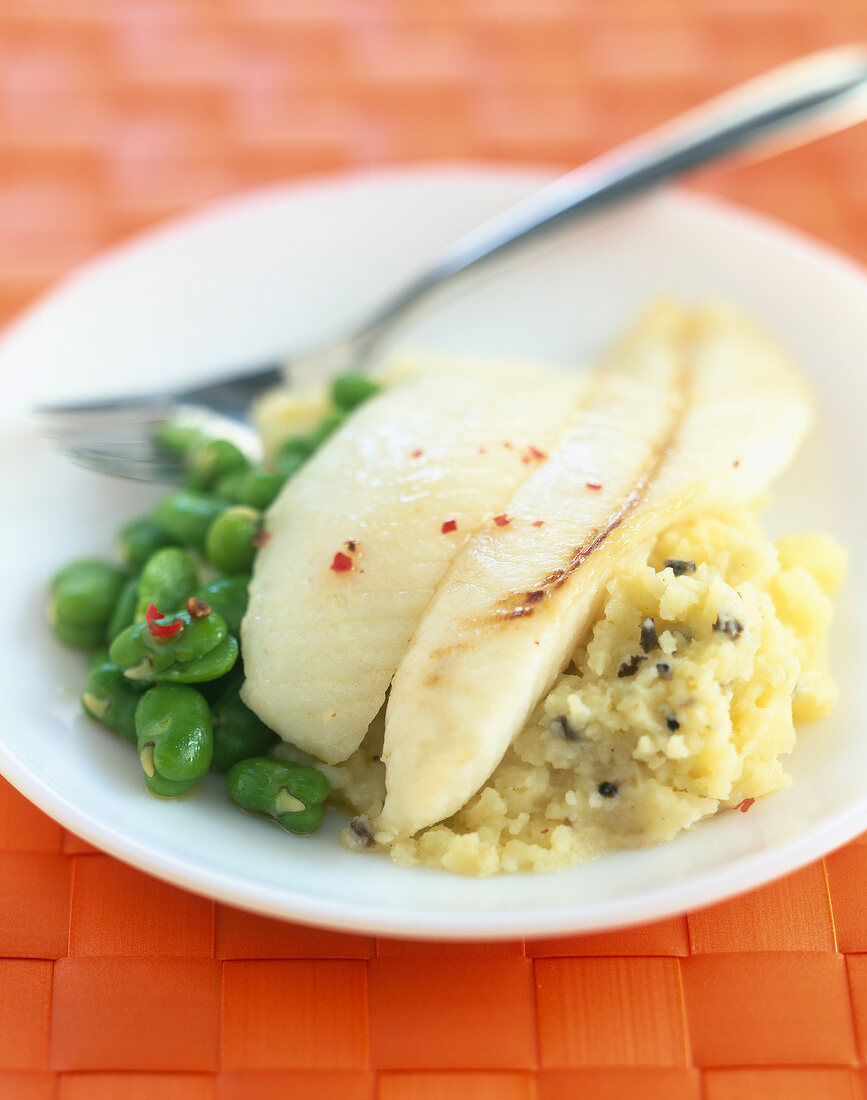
(166, 669)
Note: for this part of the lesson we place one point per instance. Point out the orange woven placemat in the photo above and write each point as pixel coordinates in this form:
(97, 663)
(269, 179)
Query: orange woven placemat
(113, 986)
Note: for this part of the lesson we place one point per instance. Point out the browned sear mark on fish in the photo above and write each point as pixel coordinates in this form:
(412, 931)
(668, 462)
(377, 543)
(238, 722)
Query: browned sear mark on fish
(516, 605)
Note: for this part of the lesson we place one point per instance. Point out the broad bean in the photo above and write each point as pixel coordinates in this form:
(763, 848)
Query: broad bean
(167, 580)
(175, 738)
(140, 539)
(111, 698)
(83, 595)
(238, 732)
(292, 794)
(229, 544)
(187, 516)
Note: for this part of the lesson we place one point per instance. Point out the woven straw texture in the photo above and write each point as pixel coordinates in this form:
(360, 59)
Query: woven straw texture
(117, 113)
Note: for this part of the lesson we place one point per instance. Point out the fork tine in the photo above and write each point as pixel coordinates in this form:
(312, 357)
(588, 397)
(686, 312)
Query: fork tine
(160, 403)
(147, 468)
(119, 435)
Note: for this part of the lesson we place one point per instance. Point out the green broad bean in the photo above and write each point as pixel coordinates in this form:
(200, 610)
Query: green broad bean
(187, 516)
(297, 445)
(238, 732)
(228, 596)
(229, 542)
(177, 438)
(175, 738)
(124, 609)
(293, 454)
(146, 656)
(210, 666)
(326, 427)
(231, 487)
(140, 539)
(77, 636)
(168, 788)
(138, 660)
(83, 595)
(168, 578)
(261, 488)
(111, 698)
(292, 794)
(350, 390)
(256, 487)
(216, 689)
(211, 460)
(290, 462)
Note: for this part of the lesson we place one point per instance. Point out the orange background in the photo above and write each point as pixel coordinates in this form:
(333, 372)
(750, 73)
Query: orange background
(117, 113)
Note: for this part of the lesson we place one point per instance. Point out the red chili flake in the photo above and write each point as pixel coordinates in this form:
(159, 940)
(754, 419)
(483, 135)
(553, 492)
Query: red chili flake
(417, 453)
(449, 526)
(483, 450)
(197, 608)
(538, 523)
(341, 563)
(536, 453)
(507, 445)
(745, 805)
(543, 831)
(161, 629)
(736, 463)
(592, 485)
(260, 538)
(502, 521)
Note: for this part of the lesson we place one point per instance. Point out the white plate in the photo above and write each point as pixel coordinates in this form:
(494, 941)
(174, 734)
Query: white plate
(278, 268)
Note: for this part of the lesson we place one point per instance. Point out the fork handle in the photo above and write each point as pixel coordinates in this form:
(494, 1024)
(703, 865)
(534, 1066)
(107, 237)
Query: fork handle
(801, 100)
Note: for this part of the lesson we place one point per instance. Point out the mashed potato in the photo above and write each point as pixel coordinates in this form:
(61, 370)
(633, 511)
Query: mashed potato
(681, 703)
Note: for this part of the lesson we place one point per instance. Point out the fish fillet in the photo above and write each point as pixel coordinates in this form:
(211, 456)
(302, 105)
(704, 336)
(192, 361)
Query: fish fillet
(396, 492)
(697, 410)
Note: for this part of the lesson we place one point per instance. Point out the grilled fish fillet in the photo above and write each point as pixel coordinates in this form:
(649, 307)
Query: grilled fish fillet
(696, 411)
(395, 493)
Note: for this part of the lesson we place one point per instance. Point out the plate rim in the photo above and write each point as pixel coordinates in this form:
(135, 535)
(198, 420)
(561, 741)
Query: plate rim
(738, 876)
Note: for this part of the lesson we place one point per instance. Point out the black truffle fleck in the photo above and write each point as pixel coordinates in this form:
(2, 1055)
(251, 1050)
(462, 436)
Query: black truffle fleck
(672, 723)
(562, 727)
(649, 639)
(360, 826)
(607, 790)
(729, 626)
(630, 667)
(679, 567)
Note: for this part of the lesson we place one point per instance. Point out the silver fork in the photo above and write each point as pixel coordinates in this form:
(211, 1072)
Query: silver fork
(792, 104)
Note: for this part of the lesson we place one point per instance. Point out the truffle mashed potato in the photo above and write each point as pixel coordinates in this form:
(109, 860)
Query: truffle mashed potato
(590, 642)
(681, 703)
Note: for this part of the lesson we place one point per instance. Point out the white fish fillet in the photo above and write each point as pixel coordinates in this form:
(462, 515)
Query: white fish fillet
(698, 411)
(321, 647)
